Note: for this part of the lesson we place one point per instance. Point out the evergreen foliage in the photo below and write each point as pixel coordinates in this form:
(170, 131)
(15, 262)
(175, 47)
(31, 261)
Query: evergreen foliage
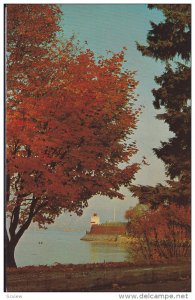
(170, 42)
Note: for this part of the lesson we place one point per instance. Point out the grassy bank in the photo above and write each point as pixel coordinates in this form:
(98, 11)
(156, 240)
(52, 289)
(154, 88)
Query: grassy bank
(100, 277)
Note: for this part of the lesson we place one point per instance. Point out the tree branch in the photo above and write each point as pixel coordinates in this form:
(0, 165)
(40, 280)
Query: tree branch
(14, 219)
(28, 221)
(39, 208)
(7, 184)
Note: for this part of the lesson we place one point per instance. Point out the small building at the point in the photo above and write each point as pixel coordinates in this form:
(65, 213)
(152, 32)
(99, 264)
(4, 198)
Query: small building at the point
(95, 219)
(104, 231)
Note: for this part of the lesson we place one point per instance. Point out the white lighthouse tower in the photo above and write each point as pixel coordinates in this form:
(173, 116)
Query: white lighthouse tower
(95, 219)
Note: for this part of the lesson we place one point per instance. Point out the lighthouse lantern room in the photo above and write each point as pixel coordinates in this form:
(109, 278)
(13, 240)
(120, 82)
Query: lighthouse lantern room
(95, 219)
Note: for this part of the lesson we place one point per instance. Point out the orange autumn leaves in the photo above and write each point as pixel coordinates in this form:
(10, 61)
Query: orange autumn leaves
(160, 220)
(162, 233)
(69, 116)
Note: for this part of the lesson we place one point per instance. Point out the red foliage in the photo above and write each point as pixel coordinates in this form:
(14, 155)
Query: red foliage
(68, 117)
(164, 232)
(162, 220)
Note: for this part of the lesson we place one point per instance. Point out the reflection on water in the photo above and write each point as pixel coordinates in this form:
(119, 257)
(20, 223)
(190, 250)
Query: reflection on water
(101, 252)
(49, 247)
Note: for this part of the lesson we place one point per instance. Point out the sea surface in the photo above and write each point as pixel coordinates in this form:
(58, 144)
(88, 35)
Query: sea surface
(46, 247)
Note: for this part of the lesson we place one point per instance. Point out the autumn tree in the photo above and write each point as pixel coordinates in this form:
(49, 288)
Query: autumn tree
(68, 117)
(159, 234)
(170, 42)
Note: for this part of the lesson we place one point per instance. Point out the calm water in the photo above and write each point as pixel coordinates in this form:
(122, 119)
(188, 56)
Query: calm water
(64, 247)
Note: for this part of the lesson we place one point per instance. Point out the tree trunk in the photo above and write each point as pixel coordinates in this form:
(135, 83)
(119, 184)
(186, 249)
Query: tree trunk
(9, 250)
(148, 245)
(10, 259)
(10, 243)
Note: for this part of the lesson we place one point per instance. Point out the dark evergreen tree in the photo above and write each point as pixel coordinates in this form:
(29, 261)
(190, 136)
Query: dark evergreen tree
(170, 42)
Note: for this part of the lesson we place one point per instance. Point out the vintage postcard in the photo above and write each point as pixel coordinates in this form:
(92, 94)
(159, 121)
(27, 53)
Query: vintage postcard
(97, 148)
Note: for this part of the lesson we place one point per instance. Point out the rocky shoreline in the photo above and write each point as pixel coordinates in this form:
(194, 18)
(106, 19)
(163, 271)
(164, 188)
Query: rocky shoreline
(99, 237)
(108, 238)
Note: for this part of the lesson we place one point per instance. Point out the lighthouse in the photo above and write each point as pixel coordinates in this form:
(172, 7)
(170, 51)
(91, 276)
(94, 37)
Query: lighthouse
(95, 219)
